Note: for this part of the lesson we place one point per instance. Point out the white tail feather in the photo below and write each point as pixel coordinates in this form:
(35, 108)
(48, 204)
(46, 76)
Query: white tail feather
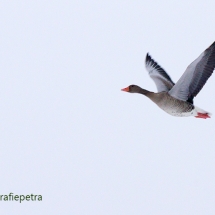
(199, 110)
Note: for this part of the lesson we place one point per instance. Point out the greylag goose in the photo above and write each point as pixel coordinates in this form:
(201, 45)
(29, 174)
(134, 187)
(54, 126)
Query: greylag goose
(177, 99)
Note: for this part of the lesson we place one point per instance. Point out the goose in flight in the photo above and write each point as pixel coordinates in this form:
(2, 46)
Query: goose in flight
(177, 99)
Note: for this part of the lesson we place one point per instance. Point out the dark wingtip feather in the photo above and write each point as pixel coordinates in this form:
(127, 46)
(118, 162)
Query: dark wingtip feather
(148, 57)
(153, 64)
(213, 44)
(207, 70)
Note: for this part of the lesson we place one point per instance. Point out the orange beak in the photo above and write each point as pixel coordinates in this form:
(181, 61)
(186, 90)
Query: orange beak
(125, 89)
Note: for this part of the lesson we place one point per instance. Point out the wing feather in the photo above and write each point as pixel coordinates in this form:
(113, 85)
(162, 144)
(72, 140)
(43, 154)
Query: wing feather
(195, 76)
(157, 73)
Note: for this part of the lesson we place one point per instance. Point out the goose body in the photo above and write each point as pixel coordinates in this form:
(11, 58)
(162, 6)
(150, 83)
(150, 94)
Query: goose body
(173, 106)
(177, 99)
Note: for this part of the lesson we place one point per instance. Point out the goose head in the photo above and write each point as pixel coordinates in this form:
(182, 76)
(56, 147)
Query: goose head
(132, 89)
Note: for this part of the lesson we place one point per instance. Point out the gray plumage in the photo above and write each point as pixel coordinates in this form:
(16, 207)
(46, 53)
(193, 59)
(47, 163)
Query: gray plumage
(177, 99)
(195, 76)
(157, 73)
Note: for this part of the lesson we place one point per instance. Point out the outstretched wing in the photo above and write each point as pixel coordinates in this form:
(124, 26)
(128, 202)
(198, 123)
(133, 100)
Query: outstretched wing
(195, 76)
(159, 76)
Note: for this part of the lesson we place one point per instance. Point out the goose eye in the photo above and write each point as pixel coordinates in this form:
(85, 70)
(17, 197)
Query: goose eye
(132, 85)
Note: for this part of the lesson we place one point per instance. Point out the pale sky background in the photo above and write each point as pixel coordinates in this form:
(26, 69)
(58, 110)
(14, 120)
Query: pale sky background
(67, 131)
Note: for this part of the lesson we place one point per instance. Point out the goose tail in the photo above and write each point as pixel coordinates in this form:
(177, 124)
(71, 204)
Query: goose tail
(200, 113)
